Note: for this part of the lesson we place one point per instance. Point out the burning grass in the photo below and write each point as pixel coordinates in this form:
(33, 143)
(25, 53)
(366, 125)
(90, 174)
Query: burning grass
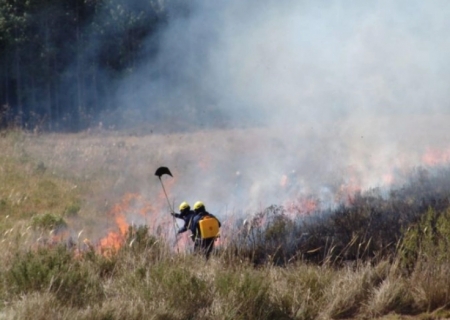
(82, 242)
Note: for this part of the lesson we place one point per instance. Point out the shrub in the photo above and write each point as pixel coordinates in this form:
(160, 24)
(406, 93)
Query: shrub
(267, 238)
(56, 270)
(139, 239)
(428, 239)
(424, 256)
(72, 209)
(48, 221)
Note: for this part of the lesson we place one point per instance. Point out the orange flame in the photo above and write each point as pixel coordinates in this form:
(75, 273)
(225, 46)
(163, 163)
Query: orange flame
(129, 205)
(113, 241)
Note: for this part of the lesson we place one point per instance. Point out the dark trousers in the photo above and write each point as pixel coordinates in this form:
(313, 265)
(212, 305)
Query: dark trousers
(204, 246)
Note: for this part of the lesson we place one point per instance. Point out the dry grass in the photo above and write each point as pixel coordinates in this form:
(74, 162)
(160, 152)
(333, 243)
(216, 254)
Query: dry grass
(78, 178)
(136, 285)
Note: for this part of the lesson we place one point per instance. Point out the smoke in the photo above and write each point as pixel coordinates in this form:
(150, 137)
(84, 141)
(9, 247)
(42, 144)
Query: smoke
(299, 62)
(333, 96)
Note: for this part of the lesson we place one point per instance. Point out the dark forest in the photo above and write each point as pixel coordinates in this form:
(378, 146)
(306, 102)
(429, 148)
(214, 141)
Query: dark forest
(59, 60)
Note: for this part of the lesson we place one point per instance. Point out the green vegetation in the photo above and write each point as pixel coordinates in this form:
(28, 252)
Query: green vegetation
(54, 270)
(48, 221)
(378, 257)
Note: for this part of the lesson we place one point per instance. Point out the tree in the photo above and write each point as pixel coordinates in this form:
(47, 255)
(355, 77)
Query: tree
(59, 58)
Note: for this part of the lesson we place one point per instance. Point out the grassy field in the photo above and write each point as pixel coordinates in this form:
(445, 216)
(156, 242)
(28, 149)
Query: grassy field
(85, 234)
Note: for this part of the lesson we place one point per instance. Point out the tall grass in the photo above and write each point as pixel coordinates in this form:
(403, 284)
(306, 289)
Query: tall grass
(376, 257)
(150, 281)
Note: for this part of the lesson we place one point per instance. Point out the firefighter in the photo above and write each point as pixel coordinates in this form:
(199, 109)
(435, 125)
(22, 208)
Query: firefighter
(203, 244)
(186, 214)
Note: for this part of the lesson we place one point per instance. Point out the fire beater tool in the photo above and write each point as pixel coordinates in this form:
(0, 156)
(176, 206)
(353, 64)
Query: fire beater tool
(159, 173)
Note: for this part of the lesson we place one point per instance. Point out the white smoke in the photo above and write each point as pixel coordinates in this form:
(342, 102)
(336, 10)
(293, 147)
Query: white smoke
(332, 93)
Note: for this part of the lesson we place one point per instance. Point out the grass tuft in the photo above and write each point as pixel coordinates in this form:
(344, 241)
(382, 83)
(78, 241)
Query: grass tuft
(48, 221)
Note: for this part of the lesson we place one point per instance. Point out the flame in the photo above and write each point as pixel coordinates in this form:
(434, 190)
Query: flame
(122, 224)
(435, 157)
(131, 206)
(302, 206)
(112, 242)
(135, 209)
(131, 203)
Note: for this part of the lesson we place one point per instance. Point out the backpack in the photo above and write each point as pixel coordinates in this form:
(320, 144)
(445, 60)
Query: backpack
(209, 227)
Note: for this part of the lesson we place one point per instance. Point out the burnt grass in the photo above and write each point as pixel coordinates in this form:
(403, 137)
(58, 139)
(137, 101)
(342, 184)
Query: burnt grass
(369, 227)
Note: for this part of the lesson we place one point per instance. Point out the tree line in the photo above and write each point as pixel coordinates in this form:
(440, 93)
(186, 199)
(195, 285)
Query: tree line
(59, 59)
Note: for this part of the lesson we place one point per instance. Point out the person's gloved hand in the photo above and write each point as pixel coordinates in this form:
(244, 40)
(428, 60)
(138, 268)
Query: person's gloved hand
(172, 214)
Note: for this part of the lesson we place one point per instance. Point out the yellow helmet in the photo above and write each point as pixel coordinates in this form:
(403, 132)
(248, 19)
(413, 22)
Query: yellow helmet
(184, 206)
(198, 205)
